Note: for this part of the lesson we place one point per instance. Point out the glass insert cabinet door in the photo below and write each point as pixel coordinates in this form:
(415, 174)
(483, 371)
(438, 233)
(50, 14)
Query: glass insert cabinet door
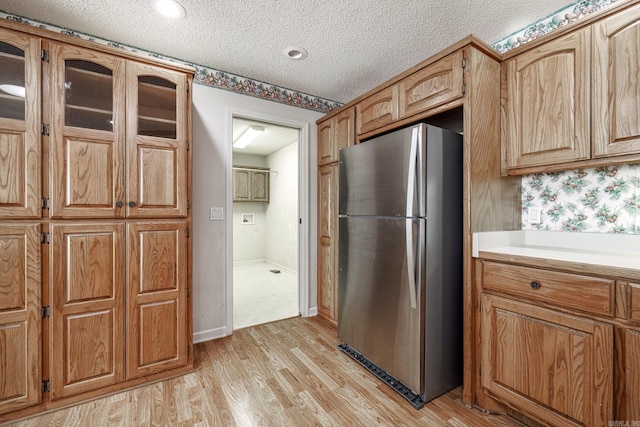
(20, 188)
(87, 134)
(156, 141)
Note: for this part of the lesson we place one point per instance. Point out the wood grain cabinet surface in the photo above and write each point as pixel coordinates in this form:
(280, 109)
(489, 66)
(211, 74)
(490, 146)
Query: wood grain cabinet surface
(20, 149)
(328, 241)
(616, 92)
(20, 320)
(546, 113)
(574, 101)
(94, 289)
(558, 346)
(554, 367)
(250, 184)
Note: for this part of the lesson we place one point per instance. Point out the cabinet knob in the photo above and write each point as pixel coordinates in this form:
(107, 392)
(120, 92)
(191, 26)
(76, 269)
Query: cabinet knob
(535, 284)
(132, 204)
(119, 203)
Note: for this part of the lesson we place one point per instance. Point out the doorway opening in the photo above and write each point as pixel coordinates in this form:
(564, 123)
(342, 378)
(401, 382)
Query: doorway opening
(265, 232)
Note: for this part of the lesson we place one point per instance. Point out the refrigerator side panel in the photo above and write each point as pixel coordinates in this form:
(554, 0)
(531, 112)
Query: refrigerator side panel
(443, 283)
(374, 295)
(376, 174)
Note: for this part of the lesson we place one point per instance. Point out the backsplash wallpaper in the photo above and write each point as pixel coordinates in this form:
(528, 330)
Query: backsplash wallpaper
(601, 200)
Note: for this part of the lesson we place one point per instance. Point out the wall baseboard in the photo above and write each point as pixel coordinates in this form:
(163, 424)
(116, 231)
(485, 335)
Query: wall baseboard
(211, 334)
(313, 311)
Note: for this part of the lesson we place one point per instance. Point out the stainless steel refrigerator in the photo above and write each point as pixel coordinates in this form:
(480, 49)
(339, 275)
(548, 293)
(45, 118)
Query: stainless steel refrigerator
(400, 259)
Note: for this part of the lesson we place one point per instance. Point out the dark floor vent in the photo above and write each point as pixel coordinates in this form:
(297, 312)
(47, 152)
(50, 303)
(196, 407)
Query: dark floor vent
(414, 399)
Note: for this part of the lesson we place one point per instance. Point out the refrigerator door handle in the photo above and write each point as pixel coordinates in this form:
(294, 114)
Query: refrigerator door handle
(411, 263)
(411, 174)
(411, 184)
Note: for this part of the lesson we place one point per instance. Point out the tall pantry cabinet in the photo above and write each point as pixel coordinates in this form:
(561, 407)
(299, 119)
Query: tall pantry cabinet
(94, 220)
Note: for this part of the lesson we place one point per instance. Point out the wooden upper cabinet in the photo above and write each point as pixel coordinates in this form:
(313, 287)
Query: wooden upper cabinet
(616, 92)
(157, 297)
(431, 86)
(250, 184)
(334, 134)
(157, 132)
(87, 133)
(554, 367)
(20, 320)
(547, 106)
(378, 110)
(20, 179)
(88, 294)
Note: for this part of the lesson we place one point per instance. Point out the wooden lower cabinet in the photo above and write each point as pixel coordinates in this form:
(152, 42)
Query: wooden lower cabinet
(157, 297)
(20, 323)
(87, 313)
(553, 367)
(631, 368)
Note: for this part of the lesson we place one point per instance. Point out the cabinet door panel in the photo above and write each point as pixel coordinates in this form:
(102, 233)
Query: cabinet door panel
(435, 84)
(328, 241)
(548, 103)
(520, 342)
(241, 186)
(20, 176)
(87, 307)
(616, 92)
(632, 374)
(87, 134)
(260, 186)
(377, 110)
(326, 149)
(157, 328)
(20, 322)
(157, 132)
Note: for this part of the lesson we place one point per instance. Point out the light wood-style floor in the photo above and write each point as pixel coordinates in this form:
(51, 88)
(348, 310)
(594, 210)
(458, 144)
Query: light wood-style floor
(286, 373)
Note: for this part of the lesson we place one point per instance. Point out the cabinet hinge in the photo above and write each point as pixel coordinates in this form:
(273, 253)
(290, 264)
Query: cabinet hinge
(46, 386)
(44, 238)
(187, 232)
(45, 203)
(188, 351)
(464, 88)
(188, 205)
(44, 55)
(464, 63)
(188, 145)
(45, 312)
(45, 129)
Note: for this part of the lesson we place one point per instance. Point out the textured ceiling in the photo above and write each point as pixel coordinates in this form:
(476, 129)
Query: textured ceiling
(353, 45)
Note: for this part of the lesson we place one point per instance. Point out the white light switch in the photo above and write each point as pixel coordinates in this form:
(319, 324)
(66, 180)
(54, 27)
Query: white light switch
(216, 214)
(534, 216)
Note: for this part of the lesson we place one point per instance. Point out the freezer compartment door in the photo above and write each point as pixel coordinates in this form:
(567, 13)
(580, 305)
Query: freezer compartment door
(384, 176)
(379, 316)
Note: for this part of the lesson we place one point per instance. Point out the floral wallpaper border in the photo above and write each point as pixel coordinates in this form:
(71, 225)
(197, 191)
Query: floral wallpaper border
(204, 75)
(556, 20)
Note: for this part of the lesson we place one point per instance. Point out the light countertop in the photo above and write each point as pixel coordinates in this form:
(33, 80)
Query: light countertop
(617, 254)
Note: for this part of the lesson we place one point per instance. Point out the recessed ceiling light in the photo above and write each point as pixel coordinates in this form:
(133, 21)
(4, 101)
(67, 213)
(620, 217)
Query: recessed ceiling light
(295, 53)
(169, 8)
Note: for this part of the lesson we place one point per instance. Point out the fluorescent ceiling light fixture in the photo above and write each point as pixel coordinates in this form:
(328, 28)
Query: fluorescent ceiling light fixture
(248, 136)
(295, 53)
(169, 8)
(13, 90)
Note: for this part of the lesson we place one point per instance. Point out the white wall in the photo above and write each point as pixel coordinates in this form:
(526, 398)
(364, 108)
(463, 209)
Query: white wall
(212, 110)
(250, 240)
(282, 213)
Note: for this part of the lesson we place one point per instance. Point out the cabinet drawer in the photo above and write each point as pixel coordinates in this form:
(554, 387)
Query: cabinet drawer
(434, 85)
(594, 295)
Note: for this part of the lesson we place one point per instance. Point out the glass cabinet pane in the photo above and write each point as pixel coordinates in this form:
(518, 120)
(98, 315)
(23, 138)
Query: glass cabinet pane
(12, 82)
(88, 95)
(156, 107)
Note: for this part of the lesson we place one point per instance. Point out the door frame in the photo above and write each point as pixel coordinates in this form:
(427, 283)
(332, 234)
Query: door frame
(304, 202)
